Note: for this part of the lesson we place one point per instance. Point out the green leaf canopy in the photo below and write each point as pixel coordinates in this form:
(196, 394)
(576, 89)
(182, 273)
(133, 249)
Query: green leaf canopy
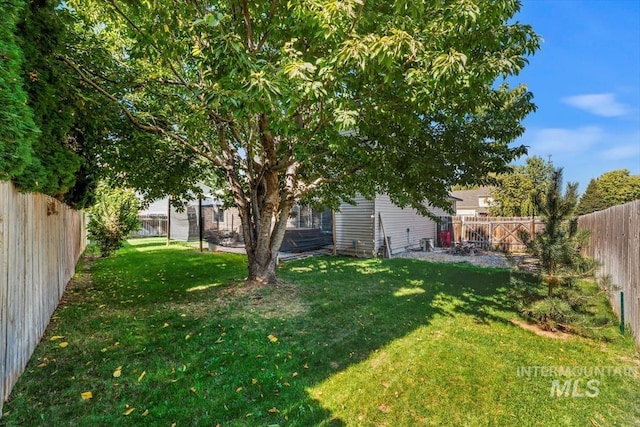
(317, 100)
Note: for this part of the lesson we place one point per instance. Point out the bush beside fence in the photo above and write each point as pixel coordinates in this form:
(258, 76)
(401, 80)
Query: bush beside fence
(41, 241)
(615, 243)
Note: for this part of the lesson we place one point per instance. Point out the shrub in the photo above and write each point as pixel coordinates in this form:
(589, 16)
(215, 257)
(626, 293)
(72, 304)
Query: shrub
(551, 313)
(112, 218)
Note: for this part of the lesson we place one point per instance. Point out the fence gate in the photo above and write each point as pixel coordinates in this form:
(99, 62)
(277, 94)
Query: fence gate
(494, 232)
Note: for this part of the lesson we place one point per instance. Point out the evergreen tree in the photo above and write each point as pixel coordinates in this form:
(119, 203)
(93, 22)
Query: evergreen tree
(558, 246)
(592, 200)
(52, 98)
(17, 128)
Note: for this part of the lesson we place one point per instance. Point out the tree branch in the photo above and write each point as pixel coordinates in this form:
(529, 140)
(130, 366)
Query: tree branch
(307, 188)
(247, 24)
(355, 20)
(150, 41)
(272, 12)
(150, 128)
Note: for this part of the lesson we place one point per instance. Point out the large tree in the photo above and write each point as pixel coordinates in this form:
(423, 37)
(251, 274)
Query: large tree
(592, 200)
(515, 192)
(315, 100)
(609, 189)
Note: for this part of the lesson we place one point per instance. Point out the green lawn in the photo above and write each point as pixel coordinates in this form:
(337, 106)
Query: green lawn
(162, 335)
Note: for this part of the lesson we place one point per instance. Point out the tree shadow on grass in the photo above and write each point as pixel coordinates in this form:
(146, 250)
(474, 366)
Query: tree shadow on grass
(221, 354)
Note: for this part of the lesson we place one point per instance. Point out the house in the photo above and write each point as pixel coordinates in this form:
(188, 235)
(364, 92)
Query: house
(473, 202)
(361, 229)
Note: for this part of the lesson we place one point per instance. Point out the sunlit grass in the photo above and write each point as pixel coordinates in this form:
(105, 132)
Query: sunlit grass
(339, 342)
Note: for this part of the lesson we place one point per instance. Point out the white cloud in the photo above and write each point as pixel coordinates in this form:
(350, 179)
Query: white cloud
(558, 140)
(622, 152)
(600, 104)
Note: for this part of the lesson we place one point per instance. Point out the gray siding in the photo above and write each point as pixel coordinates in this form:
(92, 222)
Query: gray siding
(406, 227)
(354, 226)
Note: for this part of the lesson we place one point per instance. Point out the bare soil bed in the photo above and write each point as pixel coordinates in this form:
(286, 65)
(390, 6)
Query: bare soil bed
(483, 259)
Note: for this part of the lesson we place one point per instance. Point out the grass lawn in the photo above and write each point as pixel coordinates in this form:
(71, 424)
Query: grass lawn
(165, 335)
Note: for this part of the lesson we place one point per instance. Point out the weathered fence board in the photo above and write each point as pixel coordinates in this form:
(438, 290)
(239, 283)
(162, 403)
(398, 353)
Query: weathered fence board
(615, 243)
(501, 233)
(41, 241)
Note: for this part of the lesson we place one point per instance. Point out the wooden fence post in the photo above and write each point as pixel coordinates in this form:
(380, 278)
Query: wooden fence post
(533, 228)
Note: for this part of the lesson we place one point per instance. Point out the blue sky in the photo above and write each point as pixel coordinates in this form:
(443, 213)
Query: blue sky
(586, 84)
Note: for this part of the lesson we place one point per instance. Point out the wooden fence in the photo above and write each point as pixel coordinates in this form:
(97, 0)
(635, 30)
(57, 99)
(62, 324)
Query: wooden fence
(615, 243)
(40, 242)
(501, 233)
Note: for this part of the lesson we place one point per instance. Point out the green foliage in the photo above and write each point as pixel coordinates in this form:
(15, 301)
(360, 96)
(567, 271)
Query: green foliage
(51, 98)
(592, 200)
(515, 192)
(308, 101)
(558, 245)
(17, 128)
(609, 189)
(551, 313)
(112, 218)
(49, 123)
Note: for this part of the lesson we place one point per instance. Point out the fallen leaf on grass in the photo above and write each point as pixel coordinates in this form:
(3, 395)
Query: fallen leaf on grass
(56, 338)
(384, 408)
(145, 413)
(63, 344)
(129, 411)
(117, 372)
(193, 390)
(273, 338)
(86, 395)
(274, 410)
(142, 376)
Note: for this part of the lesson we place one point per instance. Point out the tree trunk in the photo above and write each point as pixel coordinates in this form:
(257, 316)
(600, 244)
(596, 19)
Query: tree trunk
(263, 240)
(264, 203)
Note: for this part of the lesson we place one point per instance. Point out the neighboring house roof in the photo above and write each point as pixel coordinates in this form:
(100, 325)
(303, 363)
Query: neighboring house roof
(472, 199)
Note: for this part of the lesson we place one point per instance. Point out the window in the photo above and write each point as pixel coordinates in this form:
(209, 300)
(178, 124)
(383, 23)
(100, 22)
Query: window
(218, 214)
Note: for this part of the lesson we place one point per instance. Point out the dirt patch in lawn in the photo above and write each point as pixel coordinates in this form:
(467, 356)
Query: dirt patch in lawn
(541, 332)
(279, 301)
